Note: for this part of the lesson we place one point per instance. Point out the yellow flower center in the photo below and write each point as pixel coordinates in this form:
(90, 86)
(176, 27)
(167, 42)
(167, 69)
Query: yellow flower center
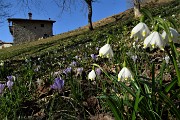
(153, 45)
(144, 33)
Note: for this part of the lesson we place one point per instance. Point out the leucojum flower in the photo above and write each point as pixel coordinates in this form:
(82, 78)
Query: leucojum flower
(92, 75)
(140, 31)
(154, 40)
(125, 74)
(174, 35)
(106, 51)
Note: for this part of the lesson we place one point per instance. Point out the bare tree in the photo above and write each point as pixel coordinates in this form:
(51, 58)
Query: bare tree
(89, 4)
(4, 10)
(67, 4)
(137, 6)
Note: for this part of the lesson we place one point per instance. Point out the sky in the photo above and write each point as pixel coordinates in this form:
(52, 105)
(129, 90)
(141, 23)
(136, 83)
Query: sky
(65, 21)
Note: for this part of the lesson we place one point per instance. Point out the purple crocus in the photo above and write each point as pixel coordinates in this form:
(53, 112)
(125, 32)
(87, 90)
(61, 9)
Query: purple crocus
(97, 48)
(98, 71)
(93, 56)
(1, 88)
(10, 81)
(73, 63)
(67, 70)
(79, 71)
(58, 84)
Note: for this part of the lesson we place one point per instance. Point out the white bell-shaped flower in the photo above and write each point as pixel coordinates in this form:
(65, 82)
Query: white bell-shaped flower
(92, 75)
(174, 34)
(140, 31)
(154, 40)
(125, 74)
(106, 51)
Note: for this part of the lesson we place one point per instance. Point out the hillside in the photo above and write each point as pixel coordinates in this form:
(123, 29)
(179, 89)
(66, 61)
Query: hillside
(115, 21)
(69, 57)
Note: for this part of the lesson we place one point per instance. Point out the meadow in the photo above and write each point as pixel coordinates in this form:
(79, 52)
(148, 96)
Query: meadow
(109, 73)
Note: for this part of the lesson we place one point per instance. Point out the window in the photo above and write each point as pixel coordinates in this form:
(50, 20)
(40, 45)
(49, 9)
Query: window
(42, 25)
(34, 27)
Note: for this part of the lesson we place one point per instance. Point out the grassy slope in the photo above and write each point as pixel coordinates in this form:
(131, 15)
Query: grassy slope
(112, 25)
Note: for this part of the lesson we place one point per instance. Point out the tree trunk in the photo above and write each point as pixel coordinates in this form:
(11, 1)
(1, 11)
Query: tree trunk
(137, 12)
(89, 3)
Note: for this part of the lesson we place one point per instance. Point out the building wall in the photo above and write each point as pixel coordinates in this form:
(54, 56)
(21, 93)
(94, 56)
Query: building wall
(25, 31)
(5, 45)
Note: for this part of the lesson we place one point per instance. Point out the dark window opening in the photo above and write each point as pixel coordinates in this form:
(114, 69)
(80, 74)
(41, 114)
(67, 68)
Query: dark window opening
(34, 27)
(42, 25)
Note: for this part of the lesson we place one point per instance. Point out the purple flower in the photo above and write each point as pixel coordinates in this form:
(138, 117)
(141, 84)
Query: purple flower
(58, 84)
(79, 71)
(97, 48)
(10, 81)
(93, 56)
(67, 70)
(98, 71)
(11, 78)
(1, 88)
(76, 57)
(10, 84)
(73, 63)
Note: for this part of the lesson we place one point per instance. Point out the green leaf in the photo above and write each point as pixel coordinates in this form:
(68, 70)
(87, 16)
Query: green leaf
(170, 104)
(169, 86)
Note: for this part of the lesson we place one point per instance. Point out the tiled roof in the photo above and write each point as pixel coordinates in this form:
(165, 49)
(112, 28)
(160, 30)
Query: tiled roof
(20, 19)
(5, 42)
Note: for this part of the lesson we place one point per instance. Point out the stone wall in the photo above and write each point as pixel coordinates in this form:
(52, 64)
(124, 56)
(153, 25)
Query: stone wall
(26, 31)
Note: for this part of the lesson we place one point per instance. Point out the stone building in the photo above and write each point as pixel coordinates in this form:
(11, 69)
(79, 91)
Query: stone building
(25, 30)
(5, 44)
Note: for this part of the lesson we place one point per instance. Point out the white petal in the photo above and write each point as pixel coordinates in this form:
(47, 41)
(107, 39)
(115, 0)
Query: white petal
(106, 51)
(175, 35)
(92, 75)
(124, 74)
(148, 40)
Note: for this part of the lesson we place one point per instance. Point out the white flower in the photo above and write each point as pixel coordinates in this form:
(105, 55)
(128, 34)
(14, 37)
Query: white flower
(166, 58)
(134, 57)
(154, 39)
(1, 63)
(125, 74)
(92, 75)
(174, 34)
(140, 31)
(106, 51)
